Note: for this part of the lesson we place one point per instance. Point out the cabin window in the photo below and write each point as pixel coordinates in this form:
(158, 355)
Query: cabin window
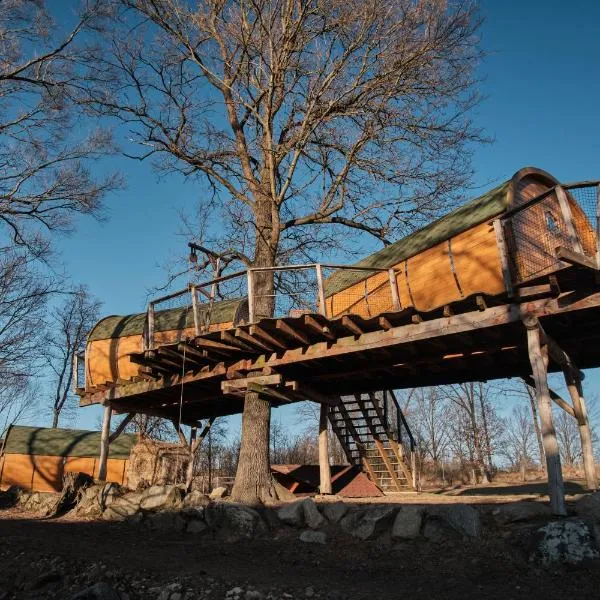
(551, 223)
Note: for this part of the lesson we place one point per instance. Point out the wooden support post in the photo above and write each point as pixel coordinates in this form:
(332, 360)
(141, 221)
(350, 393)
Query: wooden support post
(189, 476)
(195, 310)
(250, 278)
(149, 338)
(538, 357)
(321, 290)
(394, 289)
(104, 442)
(568, 217)
(119, 430)
(576, 391)
(504, 258)
(324, 468)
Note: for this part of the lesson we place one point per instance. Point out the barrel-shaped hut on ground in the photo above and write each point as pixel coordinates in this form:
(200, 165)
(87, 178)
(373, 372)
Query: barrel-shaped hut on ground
(505, 238)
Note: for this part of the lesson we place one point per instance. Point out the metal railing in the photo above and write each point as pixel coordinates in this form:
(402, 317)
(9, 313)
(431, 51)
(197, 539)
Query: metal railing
(398, 426)
(296, 289)
(564, 217)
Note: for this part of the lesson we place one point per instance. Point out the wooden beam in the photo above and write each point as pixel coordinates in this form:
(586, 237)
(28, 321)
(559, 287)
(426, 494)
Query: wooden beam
(292, 333)
(314, 325)
(575, 258)
(565, 208)
(104, 442)
(265, 336)
(270, 393)
(585, 434)
(246, 337)
(553, 395)
(309, 393)
(121, 427)
(324, 467)
(209, 344)
(538, 357)
(349, 324)
(231, 340)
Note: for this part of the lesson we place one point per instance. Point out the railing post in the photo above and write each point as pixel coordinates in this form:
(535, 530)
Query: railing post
(321, 289)
(195, 309)
(504, 258)
(394, 288)
(149, 341)
(249, 275)
(568, 217)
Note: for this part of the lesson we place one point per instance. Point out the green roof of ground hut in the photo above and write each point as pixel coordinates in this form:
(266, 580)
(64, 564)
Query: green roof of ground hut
(43, 441)
(475, 212)
(117, 326)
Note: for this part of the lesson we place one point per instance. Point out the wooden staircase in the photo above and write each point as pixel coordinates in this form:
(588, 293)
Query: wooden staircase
(376, 436)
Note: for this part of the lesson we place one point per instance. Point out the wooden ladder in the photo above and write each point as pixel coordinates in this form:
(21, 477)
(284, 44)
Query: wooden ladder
(371, 439)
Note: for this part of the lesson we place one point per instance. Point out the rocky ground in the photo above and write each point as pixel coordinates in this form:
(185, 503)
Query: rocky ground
(168, 546)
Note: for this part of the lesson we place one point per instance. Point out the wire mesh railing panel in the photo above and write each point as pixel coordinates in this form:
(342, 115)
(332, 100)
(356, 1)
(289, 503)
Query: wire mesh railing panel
(583, 201)
(367, 293)
(285, 292)
(534, 234)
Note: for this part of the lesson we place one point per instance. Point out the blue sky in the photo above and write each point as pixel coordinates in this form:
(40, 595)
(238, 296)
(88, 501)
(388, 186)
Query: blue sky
(542, 87)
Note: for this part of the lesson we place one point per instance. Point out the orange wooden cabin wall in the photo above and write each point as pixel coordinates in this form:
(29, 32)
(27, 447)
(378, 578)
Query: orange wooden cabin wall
(45, 473)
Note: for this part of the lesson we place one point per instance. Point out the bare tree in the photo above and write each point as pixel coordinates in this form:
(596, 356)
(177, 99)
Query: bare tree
(476, 422)
(44, 150)
(69, 326)
(302, 116)
(518, 441)
(430, 416)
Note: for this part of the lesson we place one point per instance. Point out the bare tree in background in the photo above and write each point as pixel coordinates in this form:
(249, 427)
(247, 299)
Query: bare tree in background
(476, 422)
(302, 116)
(518, 445)
(44, 149)
(69, 325)
(430, 418)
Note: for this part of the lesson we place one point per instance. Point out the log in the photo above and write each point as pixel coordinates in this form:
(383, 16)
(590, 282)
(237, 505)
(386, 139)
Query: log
(324, 468)
(104, 442)
(576, 391)
(538, 357)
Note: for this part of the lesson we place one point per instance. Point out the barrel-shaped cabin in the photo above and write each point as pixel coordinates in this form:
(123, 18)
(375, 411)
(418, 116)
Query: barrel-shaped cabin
(506, 238)
(113, 339)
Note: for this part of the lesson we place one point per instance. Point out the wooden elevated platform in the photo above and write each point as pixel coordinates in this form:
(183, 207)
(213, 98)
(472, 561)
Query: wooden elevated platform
(312, 357)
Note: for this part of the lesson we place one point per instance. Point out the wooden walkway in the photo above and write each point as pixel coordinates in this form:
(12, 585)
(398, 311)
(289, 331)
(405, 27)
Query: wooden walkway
(312, 357)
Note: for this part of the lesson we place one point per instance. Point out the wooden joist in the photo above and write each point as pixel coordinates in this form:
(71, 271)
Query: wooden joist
(291, 332)
(350, 324)
(257, 331)
(311, 323)
(576, 258)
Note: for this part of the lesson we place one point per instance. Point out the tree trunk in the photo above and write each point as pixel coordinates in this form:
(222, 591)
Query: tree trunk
(254, 483)
(55, 419)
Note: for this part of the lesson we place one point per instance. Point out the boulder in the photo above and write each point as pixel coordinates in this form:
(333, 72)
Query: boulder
(407, 524)
(368, 524)
(195, 498)
(566, 541)
(39, 502)
(520, 511)
(335, 511)
(218, 493)
(234, 521)
(161, 497)
(301, 513)
(166, 521)
(465, 519)
(313, 537)
(96, 498)
(589, 507)
(99, 591)
(11, 497)
(123, 507)
(438, 531)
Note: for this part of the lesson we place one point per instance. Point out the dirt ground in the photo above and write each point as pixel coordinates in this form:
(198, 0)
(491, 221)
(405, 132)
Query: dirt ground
(52, 558)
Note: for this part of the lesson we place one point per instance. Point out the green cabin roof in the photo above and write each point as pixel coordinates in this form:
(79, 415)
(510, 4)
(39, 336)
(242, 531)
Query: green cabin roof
(43, 441)
(475, 212)
(117, 326)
